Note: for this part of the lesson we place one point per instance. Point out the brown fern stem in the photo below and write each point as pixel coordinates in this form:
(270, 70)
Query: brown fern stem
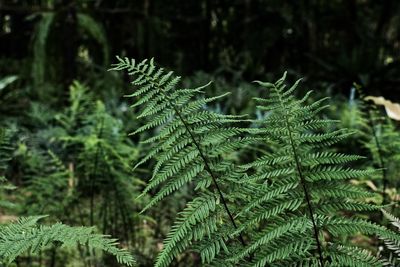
(207, 167)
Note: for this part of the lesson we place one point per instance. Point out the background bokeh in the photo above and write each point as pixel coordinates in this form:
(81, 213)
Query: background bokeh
(331, 42)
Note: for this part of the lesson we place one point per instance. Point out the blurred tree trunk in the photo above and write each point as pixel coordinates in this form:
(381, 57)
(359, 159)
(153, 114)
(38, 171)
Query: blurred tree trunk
(68, 40)
(385, 17)
(147, 29)
(207, 36)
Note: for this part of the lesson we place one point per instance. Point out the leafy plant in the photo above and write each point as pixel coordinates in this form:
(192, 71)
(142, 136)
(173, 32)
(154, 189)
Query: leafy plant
(76, 167)
(5, 156)
(26, 234)
(303, 210)
(378, 135)
(191, 145)
(293, 206)
(391, 244)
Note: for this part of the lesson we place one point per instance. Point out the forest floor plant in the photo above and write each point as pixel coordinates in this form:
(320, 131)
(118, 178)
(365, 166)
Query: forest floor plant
(26, 235)
(291, 206)
(76, 167)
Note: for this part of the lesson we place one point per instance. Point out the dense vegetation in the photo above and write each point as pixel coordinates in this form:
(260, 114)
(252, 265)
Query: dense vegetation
(120, 162)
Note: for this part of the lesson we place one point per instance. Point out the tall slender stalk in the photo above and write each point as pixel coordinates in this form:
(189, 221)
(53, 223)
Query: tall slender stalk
(380, 153)
(207, 166)
(303, 183)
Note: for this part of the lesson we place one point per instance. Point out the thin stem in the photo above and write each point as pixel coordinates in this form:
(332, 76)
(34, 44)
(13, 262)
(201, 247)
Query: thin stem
(380, 154)
(93, 176)
(203, 157)
(92, 183)
(208, 169)
(303, 183)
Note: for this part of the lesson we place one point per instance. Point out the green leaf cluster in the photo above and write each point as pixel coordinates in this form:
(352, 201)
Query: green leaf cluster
(294, 205)
(26, 235)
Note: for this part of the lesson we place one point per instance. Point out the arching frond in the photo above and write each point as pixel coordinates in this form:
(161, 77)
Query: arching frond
(188, 148)
(26, 235)
(301, 186)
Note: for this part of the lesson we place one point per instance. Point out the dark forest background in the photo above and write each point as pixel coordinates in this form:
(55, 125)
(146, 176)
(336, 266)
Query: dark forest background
(334, 42)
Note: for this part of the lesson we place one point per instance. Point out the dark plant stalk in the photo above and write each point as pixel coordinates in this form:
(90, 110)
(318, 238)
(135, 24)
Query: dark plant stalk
(103, 214)
(126, 221)
(53, 257)
(203, 157)
(82, 256)
(92, 182)
(304, 186)
(380, 154)
(207, 167)
(93, 176)
(367, 108)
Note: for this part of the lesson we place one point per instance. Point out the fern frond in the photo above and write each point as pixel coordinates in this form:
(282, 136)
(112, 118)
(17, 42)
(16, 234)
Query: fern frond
(26, 235)
(353, 257)
(300, 187)
(6, 151)
(392, 243)
(182, 232)
(380, 137)
(188, 148)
